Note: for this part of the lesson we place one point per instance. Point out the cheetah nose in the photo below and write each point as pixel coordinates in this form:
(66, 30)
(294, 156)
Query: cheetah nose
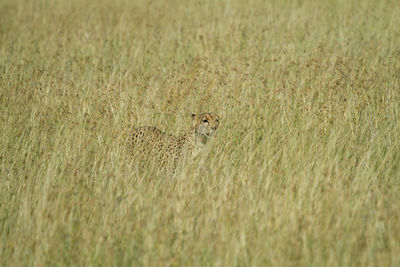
(214, 128)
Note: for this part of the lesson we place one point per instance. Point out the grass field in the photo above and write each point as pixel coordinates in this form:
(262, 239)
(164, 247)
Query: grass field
(304, 169)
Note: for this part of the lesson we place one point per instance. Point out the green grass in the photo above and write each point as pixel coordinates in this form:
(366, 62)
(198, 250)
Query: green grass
(304, 169)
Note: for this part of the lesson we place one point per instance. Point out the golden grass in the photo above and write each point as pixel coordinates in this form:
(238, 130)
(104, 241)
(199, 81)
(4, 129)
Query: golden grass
(304, 169)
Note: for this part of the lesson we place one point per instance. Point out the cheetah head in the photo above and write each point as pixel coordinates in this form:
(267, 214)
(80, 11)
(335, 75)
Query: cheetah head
(205, 125)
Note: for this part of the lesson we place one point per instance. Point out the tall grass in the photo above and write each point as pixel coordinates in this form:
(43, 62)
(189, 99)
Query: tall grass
(304, 169)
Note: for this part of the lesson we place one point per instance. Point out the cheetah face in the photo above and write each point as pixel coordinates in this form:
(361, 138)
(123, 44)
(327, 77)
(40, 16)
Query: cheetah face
(205, 125)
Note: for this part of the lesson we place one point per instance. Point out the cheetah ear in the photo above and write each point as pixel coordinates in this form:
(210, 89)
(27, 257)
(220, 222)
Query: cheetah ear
(193, 115)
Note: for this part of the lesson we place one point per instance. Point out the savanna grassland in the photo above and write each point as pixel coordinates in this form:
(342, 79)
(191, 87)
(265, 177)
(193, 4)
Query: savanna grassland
(304, 169)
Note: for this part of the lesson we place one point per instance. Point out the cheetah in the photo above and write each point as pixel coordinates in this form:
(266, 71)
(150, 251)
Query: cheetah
(167, 149)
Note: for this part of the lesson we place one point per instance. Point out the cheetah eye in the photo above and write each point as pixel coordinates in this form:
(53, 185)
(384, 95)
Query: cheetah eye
(205, 120)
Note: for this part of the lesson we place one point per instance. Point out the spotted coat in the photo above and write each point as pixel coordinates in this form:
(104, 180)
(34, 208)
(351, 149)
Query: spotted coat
(168, 149)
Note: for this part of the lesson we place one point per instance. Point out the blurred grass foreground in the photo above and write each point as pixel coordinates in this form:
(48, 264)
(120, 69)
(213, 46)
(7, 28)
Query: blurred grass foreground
(304, 169)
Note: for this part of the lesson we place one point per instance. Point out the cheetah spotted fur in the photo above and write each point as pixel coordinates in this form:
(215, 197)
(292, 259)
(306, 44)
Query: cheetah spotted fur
(168, 149)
